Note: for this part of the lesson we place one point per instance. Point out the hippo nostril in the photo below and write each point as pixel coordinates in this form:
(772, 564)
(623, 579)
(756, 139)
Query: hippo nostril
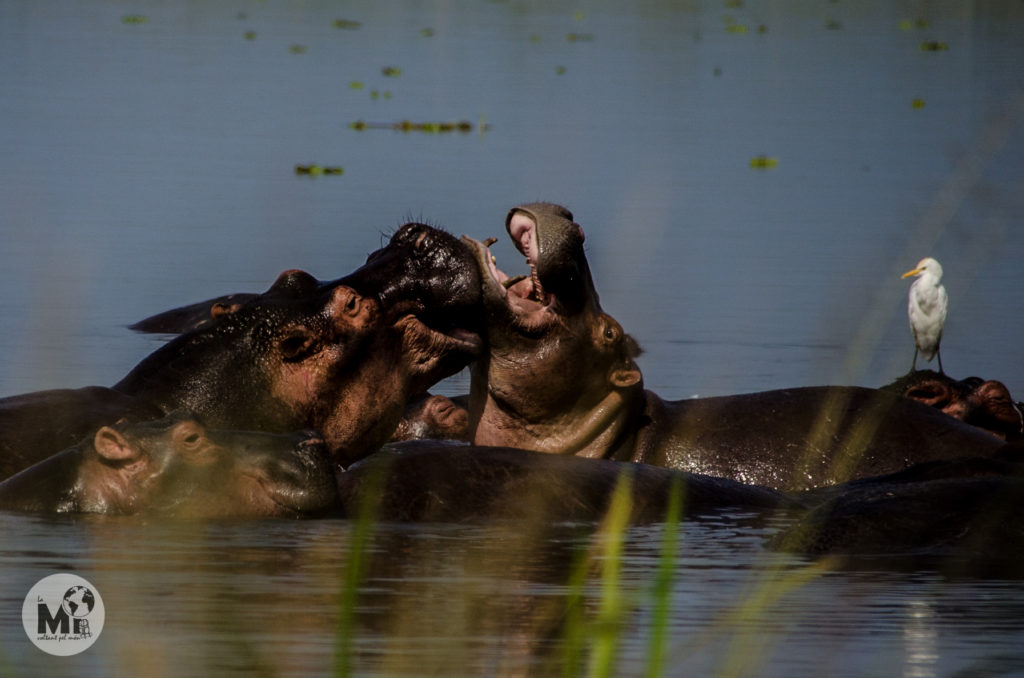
(347, 301)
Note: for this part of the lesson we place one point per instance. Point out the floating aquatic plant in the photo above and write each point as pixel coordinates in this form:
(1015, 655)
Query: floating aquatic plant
(463, 126)
(318, 170)
(764, 162)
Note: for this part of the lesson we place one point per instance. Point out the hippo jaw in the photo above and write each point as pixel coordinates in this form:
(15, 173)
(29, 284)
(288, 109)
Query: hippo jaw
(427, 285)
(300, 484)
(559, 285)
(522, 302)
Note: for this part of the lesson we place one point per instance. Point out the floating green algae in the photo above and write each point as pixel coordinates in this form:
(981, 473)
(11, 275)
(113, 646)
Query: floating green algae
(318, 170)
(463, 126)
(764, 162)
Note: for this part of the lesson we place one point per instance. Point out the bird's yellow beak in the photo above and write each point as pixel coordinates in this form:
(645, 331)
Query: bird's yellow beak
(910, 273)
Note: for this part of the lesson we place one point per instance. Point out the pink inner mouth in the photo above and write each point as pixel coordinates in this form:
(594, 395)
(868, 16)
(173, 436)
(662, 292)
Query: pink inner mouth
(519, 287)
(521, 294)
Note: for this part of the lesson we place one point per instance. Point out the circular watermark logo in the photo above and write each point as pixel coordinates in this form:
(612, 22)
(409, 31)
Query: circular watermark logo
(63, 614)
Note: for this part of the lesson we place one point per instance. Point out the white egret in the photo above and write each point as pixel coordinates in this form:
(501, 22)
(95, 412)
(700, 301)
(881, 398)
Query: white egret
(927, 309)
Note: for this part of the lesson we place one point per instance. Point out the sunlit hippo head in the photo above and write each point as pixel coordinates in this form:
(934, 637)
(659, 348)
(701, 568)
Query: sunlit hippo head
(427, 285)
(342, 357)
(553, 353)
(283, 361)
(177, 467)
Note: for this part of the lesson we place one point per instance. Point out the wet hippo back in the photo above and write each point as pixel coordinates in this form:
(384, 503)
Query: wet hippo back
(794, 439)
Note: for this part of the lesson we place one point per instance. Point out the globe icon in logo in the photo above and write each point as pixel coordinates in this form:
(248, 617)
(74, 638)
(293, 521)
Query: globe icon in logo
(78, 601)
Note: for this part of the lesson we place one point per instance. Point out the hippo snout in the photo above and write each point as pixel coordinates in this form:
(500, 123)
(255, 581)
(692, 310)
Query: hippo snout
(302, 480)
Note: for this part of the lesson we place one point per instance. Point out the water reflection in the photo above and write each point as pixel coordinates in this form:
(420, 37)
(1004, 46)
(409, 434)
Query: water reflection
(234, 598)
(921, 639)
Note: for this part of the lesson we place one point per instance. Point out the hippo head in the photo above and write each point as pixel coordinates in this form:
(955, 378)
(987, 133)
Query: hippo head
(175, 466)
(986, 404)
(341, 357)
(293, 357)
(552, 350)
(427, 286)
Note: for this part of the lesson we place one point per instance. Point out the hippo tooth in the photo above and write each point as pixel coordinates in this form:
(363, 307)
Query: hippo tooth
(490, 241)
(538, 289)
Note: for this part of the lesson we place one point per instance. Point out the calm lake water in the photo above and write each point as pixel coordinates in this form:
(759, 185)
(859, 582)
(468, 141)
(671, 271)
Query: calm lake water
(752, 177)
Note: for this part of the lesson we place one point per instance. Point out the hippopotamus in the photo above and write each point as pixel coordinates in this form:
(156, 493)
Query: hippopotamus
(175, 466)
(434, 417)
(429, 480)
(560, 376)
(985, 403)
(966, 509)
(342, 357)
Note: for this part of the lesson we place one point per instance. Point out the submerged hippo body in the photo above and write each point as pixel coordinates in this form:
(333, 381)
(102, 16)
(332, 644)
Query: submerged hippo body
(966, 509)
(447, 482)
(177, 467)
(560, 377)
(341, 357)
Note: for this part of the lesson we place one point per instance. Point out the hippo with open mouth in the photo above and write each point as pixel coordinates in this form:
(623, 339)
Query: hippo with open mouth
(560, 376)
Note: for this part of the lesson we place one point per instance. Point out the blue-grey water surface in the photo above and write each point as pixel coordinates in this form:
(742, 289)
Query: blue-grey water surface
(753, 178)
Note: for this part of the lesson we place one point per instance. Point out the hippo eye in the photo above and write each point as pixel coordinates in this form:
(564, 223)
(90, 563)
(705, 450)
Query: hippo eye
(610, 334)
(192, 439)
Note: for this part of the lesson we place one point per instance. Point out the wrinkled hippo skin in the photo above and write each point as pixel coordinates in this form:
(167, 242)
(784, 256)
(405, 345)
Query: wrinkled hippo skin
(342, 357)
(447, 482)
(967, 509)
(560, 376)
(434, 417)
(986, 404)
(177, 467)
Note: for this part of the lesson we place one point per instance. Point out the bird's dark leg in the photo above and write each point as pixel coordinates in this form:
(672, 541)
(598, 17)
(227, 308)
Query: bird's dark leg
(913, 365)
(939, 356)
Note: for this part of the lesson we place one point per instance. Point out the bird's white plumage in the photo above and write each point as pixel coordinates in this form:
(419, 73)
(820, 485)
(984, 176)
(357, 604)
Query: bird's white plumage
(926, 308)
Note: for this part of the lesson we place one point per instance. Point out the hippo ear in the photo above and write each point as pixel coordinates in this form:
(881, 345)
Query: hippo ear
(113, 446)
(626, 376)
(221, 309)
(298, 343)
